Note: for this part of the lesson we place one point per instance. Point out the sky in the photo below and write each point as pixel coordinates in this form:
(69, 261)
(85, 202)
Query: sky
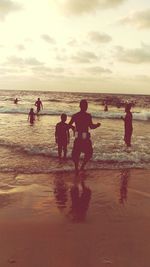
(75, 45)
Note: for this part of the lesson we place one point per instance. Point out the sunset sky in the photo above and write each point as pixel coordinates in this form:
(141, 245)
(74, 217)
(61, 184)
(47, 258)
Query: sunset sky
(75, 45)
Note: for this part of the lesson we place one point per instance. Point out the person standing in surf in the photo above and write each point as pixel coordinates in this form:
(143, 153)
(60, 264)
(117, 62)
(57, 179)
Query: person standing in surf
(82, 142)
(62, 136)
(31, 116)
(128, 125)
(38, 105)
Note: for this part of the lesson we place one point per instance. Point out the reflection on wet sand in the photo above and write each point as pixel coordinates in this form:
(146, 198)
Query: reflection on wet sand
(80, 200)
(60, 192)
(125, 174)
(6, 200)
(74, 199)
(81, 220)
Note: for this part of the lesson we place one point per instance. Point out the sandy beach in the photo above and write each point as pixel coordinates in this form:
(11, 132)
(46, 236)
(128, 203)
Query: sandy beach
(99, 219)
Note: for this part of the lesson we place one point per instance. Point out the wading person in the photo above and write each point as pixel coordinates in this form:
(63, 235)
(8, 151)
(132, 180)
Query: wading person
(31, 116)
(38, 105)
(128, 128)
(62, 136)
(82, 142)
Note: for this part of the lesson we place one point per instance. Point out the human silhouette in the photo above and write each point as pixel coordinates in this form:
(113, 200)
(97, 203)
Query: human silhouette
(82, 142)
(105, 105)
(62, 136)
(38, 105)
(31, 116)
(79, 202)
(124, 185)
(128, 125)
(16, 101)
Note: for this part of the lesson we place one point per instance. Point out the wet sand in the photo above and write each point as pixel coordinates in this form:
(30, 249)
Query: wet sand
(56, 220)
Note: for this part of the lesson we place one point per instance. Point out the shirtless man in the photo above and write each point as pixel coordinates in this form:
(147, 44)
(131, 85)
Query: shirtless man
(39, 105)
(82, 142)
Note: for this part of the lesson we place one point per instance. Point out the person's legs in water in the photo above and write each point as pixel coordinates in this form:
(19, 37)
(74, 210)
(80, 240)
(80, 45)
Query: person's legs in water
(88, 152)
(127, 138)
(76, 151)
(65, 151)
(59, 150)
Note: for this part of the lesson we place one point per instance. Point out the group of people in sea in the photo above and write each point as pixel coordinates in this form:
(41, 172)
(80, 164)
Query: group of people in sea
(80, 124)
(32, 114)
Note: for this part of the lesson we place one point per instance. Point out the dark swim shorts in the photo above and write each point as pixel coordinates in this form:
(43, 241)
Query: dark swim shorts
(82, 146)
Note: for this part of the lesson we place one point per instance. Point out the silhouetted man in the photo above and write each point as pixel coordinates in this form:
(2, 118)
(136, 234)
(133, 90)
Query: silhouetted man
(128, 125)
(82, 143)
(16, 101)
(39, 105)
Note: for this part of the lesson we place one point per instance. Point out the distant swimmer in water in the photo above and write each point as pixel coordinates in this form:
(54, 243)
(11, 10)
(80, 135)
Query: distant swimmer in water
(16, 101)
(31, 116)
(128, 125)
(39, 105)
(62, 136)
(82, 142)
(106, 107)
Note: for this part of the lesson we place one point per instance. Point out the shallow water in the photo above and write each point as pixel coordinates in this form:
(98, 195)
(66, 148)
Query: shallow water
(26, 148)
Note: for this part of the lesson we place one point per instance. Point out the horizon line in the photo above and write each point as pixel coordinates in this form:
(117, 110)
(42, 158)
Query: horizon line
(84, 92)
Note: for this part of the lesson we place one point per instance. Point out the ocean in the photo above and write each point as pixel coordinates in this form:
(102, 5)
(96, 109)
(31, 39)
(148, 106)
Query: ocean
(32, 149)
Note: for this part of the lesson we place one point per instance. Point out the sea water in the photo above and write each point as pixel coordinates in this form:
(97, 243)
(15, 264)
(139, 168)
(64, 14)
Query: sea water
(32, 149)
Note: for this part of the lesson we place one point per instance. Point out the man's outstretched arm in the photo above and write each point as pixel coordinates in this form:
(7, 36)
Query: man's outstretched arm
(93, 125)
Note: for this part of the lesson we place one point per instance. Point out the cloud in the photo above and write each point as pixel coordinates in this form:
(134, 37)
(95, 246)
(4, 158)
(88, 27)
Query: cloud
(72, 42)
(48, 39)
(44, 71)
(140, 19)
(136, 56)
(20, 62)
(23, 66)
(84, 57)
(20, 47)
(99, 37)
(98, 70)
(8, 6)
(77, 7)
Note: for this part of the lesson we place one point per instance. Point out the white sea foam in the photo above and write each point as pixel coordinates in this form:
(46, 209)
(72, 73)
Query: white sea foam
(143, 115)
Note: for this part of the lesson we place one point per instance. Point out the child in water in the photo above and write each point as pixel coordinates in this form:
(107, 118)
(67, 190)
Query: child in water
(62, 136)
(31, 116)
(128, 125)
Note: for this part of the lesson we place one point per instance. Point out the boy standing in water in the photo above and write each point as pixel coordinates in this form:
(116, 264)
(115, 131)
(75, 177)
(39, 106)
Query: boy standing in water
(31, 116)
(62, 136)
(128, 125)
